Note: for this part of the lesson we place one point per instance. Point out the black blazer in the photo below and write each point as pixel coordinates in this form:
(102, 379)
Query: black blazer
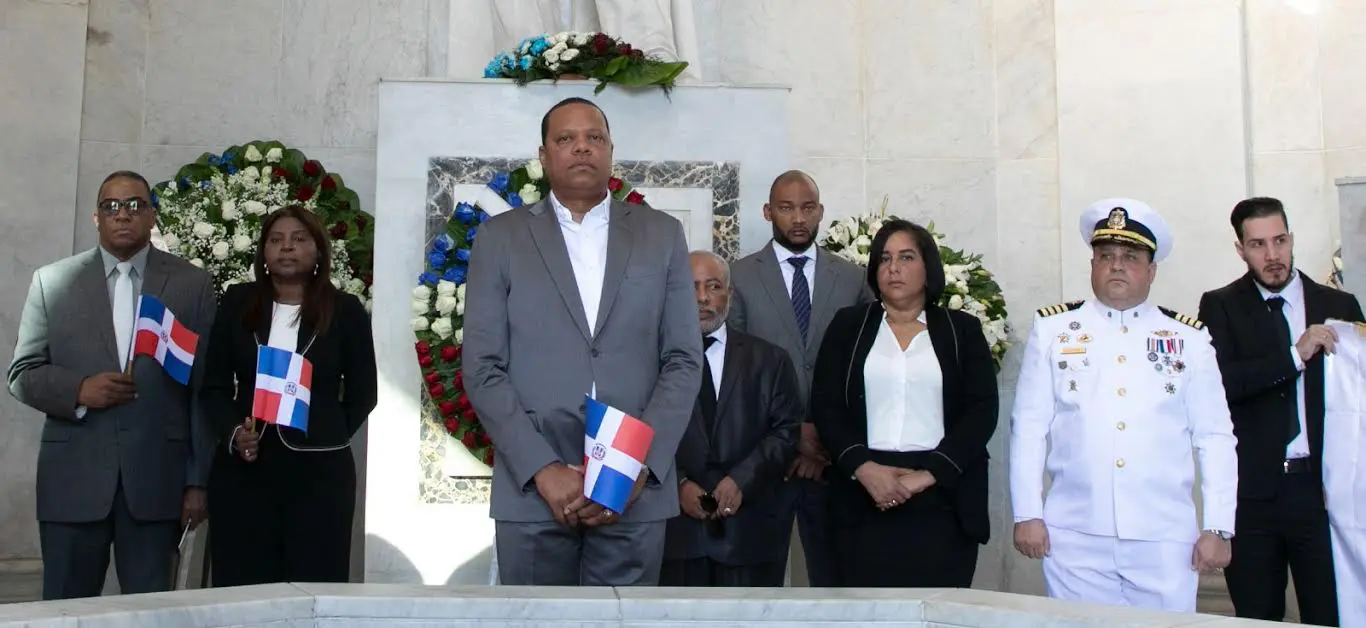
(345, 354)
(971, 406)
(1260, 376)
(758, 421)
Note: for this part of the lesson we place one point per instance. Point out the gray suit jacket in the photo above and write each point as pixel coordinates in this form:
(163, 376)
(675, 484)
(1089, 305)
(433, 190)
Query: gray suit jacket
(761, 306)
(529, 358)
(157, 444)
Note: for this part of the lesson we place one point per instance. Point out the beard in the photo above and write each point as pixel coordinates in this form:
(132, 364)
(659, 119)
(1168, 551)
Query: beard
(1271, 283)
(783, 241)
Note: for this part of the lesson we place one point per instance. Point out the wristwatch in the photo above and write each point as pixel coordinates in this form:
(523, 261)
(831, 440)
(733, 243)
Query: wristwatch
(1224, 536)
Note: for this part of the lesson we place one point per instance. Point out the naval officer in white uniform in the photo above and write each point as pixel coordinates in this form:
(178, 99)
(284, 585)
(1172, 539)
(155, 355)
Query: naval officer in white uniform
(1125, 390)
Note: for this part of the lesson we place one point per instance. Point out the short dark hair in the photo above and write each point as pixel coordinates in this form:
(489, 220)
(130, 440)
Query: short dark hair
(929, 255)
(573, 100)
(1256, 207)
(320, 296)
(129, 174)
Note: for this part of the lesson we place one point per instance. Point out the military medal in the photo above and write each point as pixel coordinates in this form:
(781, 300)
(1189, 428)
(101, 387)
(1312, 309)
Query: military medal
(1072, 385)
(1158, 367)
(1064, 338)
(1171, 388)
(1084, 338)
(1152, 357)
(1062, 364)
(1179, 366)
(1074, 326)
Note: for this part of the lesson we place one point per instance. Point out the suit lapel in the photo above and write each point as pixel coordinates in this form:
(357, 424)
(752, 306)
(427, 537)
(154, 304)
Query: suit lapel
(1261, 319)
(154, 280)
(95, 284)
(545, 231)
(731, 366)
(619, 244)
(771, 276)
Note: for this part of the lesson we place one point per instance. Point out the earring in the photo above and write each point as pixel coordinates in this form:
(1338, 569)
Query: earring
(267, 270)
(315, 270)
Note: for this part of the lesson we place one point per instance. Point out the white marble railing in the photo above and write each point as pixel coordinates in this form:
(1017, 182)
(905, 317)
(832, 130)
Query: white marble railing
(351, 605)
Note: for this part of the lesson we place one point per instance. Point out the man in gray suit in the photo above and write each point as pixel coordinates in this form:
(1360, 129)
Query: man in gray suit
(124, 457)
(579, 295)
(786, 293)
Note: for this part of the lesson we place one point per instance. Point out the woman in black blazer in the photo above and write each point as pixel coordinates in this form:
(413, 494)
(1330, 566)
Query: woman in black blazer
(904, 397)
(282, 500)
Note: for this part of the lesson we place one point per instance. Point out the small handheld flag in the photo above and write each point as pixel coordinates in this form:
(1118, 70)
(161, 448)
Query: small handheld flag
(614, 449)
(161, 336)
(284, 382)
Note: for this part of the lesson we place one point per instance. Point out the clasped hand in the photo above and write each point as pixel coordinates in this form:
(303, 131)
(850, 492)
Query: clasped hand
(561, 486)
(892, 486)
(728, 498)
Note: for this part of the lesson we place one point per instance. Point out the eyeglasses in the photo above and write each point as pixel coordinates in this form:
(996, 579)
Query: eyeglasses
(112, 206)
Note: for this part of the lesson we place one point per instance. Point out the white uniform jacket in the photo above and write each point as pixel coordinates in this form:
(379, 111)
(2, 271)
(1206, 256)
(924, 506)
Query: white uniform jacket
(1123, 397)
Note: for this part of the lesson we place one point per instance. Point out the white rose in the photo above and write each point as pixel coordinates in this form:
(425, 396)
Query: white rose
(962, 286)
(955, 302)
(861, 259)
(459, 336)
(250, 172)
(274, 155)
(336, 283)
(460, 293)
(580, 39)
(253, 154)
(445, 288)
(534, 170)
(230, 211)
(197, 263)
(419, 324)
(203, 229)
(569, 55)
(874, 227)
(356, 287)
(256, 208)
(445, 305)
(241, 243)
(529, 193)
(442, 327)
(221, 250)
(172, 243)
(421, 306)
(553, 67)
(460, 308)
(863, 241)
(552, 56)
(422, 293)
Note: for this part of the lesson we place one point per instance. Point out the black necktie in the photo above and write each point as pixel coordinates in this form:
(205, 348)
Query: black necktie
(801, 296)
(707, 396)
(1277, 305)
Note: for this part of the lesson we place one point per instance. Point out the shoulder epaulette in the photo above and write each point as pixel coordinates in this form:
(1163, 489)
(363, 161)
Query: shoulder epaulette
(1182, 318)
(1059, 308)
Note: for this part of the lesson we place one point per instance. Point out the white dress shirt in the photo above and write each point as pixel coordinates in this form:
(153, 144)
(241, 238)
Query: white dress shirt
(284, 327)
(716, 357)
(586, 243)
(790, 271)
(904, 392)
(1293, 311)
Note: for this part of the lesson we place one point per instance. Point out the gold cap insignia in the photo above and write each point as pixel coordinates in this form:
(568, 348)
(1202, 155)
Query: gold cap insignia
(1117, 218)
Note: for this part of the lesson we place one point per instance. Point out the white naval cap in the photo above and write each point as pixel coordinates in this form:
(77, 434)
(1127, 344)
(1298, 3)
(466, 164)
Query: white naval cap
(1129, 221)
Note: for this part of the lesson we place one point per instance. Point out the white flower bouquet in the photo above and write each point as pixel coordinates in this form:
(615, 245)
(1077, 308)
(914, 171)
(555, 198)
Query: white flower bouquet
(969, 286)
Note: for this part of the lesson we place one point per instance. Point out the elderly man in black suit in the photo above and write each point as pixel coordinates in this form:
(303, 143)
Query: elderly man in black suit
(742, 438)
(1270, 340)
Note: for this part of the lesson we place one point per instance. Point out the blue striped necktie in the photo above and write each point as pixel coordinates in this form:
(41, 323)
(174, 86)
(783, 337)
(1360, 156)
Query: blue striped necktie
(801, 296)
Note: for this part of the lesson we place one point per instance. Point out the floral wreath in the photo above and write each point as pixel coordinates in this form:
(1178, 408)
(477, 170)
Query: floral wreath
(969, 286)
(439, 301)
(1335, 278)
(211, 212)
(596, 56)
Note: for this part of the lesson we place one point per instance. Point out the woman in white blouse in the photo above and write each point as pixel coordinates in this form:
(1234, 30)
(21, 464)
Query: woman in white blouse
(282, 499)
(904, 396)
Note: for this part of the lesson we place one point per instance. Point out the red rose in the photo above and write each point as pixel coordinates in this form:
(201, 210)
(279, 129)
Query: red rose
(460, 380)
(338, 230)
(635, 198)
(452, 425)
(312, 168)
(626, 49)
(425, 361)
(305, 192)
(422, 348)
(432, 377)
(601, 43)
(614, 184)
(484, 438)
(329, 184)
(488, 457)
(361, 222)
(447, 408)
(437, 390)
(449, 353)
(464, 401)
(468, 440)
(281, 173)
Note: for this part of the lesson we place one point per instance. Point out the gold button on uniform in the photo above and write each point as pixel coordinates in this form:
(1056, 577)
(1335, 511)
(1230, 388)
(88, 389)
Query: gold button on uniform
(1124, 329)
(1120, 463)
(1121, 392)
(1120, 359)
(1120, 426)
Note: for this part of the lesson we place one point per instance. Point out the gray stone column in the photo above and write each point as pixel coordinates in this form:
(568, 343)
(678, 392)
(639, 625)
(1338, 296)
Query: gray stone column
(1352, 227)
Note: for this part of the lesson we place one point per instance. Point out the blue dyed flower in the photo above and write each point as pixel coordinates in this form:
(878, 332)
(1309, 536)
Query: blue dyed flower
(539, 46)
(499, 182)
(443, 243)
(465, 212)
(483, 216)
(492, 69)
(526, 62)
(428, 279)
(469, 235)
(514, 200)
(462, 255)
(215, 160)
(156, 202)
(183, 184)
(232, 169)
(455, 275)
(229, 156)
(436, 259)
(205, 184)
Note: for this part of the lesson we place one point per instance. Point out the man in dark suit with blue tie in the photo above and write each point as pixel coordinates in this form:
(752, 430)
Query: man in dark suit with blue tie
(741, 441)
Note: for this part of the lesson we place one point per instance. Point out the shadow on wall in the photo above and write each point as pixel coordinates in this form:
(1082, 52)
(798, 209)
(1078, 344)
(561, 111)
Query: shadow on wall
(388, 564)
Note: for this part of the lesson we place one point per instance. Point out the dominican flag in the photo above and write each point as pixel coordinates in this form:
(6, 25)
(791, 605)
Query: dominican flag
(614, 448)
(163, 338)
(284, 380)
